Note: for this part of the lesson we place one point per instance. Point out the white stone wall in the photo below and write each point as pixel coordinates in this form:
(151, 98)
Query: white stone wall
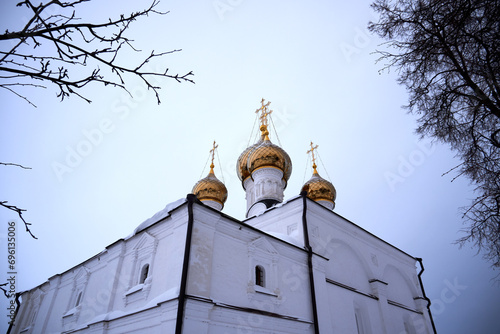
(106, 288)
(354, 258)
(221, 279)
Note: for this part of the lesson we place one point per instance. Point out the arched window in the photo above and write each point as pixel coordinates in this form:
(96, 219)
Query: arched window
(144, 273)
(259, 276)
(78, 299)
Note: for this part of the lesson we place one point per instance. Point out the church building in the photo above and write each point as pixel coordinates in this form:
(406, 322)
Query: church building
(292, 266)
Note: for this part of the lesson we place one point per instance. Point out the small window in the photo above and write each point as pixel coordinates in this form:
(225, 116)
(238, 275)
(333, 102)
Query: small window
(144, 273)
(78, 299)
(259, 276)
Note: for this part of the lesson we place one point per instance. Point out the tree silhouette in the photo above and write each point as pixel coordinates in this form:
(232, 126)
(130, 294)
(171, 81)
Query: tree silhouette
(56, 48)
(447, 55)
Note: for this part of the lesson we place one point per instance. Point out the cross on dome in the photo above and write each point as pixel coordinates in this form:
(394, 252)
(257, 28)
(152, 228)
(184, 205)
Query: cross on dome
(212, 151)
(313, 157)
(264, 110)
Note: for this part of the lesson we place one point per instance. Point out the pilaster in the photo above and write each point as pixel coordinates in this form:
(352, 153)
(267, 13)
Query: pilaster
(379, 289)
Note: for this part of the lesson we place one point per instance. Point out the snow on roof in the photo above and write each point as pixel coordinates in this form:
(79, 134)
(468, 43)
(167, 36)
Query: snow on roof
(158, 216)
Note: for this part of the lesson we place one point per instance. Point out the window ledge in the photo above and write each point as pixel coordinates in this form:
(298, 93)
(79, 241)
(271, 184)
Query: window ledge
(133, 289)
(69, 313)
(260, 289)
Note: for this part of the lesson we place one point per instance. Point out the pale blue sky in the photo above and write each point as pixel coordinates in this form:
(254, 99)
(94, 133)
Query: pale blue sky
(314, 62)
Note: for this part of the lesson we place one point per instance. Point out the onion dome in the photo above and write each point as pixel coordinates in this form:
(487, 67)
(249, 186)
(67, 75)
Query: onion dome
(266, 154)
(318, 189)
(210, 189)
(263, 153)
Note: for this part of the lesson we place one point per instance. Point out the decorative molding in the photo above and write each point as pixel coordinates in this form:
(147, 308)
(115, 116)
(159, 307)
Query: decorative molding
(373, 280)
(146, 241)
(262, 253)
(144, 252)
(393, 303)
(292, 228)
(262, 244)
(347, 287)
(266, 183)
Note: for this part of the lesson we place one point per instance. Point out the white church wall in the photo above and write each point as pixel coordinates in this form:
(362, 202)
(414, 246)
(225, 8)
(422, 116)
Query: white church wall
(229, 252)
(223, 320)
(357, 258)
(155, 320)
(402, 289)
(348, 311)
(347, 266)
(286, 222)
(108, 286)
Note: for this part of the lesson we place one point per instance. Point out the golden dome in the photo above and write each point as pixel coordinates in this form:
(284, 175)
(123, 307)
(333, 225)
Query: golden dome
(210, 189)
(263, 154)
(266, 154)
(242, 163)
(319, 189)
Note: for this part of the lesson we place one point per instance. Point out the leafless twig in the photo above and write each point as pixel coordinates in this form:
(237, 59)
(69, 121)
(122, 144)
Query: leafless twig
(76, 53)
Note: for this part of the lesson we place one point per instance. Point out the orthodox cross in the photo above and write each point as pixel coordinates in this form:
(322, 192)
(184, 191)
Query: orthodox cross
(212, 152)
(264, 110)
(313, 158)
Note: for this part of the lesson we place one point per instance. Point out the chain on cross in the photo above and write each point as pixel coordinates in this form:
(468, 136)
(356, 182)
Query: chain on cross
(313, 148)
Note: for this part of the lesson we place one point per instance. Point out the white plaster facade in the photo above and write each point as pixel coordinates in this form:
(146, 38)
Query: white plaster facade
(192, 269)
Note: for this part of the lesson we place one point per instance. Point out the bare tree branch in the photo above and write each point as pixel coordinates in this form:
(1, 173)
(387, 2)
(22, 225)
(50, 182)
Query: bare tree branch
(76, 53)
(20, 214)
(12, 164)
(4, 290)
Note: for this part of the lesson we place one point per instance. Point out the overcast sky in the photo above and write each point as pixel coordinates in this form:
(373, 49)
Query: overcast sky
(100, 169)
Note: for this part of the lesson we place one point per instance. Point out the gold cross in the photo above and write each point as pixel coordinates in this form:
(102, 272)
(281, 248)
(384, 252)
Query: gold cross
(313, 158)
(264, 112)
(212, 151)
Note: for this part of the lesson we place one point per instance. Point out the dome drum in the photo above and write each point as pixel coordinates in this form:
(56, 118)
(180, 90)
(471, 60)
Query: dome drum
(268, 184)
